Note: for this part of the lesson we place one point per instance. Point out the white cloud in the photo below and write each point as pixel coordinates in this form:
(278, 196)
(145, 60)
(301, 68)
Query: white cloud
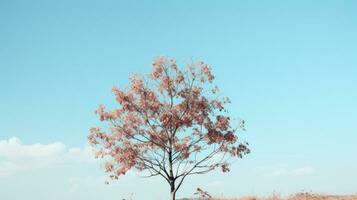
(7, 168)
(80, 154)
(13, 149)
(78, 183)
(303, 171)
(17, 157)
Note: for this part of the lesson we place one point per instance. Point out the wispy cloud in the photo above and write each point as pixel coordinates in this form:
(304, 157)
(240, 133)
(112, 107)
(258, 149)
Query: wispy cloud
(17, 157)
(77, 183)
(302, 171)
(215, 184)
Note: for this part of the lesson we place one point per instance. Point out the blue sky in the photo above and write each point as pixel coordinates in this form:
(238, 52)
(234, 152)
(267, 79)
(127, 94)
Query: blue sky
(289, 67)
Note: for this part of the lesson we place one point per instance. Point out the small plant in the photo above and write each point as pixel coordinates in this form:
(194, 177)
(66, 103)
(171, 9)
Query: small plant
(130, 198)
(203, 195)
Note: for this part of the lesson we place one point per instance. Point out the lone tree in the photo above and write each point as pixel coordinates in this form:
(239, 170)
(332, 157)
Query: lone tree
(170, 123)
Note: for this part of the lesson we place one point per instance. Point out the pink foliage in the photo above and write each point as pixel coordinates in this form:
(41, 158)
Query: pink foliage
(172, 126)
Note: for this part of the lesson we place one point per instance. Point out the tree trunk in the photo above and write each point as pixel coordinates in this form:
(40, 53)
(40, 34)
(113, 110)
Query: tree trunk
(173, 191)
(173, 196)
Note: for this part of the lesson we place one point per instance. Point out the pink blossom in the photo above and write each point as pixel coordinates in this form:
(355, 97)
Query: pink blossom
(136, 83)
(225, 168)
(158, 66)
(207, 71)
(222, 122)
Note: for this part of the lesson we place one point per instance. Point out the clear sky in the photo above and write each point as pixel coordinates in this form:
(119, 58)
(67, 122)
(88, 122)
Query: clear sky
(289, 67)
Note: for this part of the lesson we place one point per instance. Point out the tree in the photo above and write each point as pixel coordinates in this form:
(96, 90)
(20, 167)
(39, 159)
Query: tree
(171, 123)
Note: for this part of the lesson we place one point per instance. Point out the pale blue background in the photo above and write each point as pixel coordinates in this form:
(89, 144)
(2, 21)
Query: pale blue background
(289, 67)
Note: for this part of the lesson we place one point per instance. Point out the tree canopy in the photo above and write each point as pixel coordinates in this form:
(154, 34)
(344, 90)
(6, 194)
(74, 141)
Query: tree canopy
(171, 123)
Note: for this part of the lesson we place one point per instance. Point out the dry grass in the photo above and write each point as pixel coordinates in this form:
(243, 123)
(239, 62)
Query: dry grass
(299, 196)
